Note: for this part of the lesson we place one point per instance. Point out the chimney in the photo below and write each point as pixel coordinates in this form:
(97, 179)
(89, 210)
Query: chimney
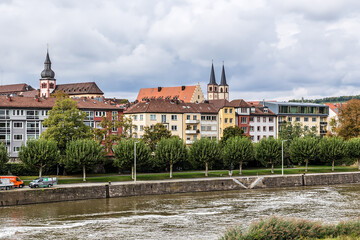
(9, 98)
(182, 88)
(37, 99)
(263, 102)
(159, 89)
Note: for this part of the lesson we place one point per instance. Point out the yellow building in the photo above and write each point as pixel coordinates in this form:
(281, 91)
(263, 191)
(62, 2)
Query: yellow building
(226, 113)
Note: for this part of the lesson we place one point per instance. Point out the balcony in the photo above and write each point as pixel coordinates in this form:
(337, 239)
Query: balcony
(189, 142)
(191, 121)
(190, 131)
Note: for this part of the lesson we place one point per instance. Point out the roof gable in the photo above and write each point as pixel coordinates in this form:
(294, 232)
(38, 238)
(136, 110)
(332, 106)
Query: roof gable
(79, 88)
(183, 93)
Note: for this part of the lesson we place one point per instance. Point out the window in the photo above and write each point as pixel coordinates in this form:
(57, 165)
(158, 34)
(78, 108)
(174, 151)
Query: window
(18, 137)
(203, 128)
(188, 117)
(314, 119)
(271, 129)
(43, 85)
(298, 119)
(114, 129)
(258, 138)
(114, 115)
(51, 85)
(306, 119)
(252, 138)
(16, 149)
(195, 137)
(258, 129)
(44, 112)
(174, 117)
(163, 118)
(243, 110)
(264, 129)
(194, 117)
(251, 119)
(231, 120)
(213, 118)
(271, 119)
(174, 128)
(230, 110)
(135, 117)
(264, 119)
(243, 120)
(141, 127)
(18, 112)
(226, 120)
(258, 119)
(18, 125)
(32, 136)
(194, 127)
(141, 117)
(289, 119)
(203, 118)
(225, 110)
(152, 117)
(245, 129)
(251, 128)
(32, 115)
(89, 116)
(100, 114)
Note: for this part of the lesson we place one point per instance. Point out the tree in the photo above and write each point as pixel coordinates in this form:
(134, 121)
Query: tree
(152, 135)
(290, 131)
(332, 149)
(349, 120)
(354, 149)
(229, 132)
(105, 136)
(304, 150)
(65, 123)
(170, 151)
(124, 154)
(4, 156)
(84, 153)
(268, 151)
(40, 153)
(238, 150)
(205, 151)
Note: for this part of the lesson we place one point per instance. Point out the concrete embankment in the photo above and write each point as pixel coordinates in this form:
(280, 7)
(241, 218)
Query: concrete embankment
(73, 192)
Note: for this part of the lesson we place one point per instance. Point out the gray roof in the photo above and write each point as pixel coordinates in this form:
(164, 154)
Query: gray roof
(212, 76)
(47, 72)
(295, 104)
(223, 77)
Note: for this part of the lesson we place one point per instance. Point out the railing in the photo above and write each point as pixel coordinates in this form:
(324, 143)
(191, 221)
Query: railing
(191, 121)
(190, 131)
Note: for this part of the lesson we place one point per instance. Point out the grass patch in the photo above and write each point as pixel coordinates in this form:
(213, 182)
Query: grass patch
(282, 228)
(113, 177)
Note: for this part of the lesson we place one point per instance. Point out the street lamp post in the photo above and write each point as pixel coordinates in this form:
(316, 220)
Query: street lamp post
(282, 157)
(135, 161)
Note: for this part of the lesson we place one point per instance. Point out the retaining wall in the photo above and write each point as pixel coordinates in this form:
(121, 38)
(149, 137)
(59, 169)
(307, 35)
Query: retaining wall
(71, 193)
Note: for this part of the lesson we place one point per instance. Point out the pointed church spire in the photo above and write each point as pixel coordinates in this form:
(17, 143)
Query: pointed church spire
(212, 75)
(47, 72)
(223, 77)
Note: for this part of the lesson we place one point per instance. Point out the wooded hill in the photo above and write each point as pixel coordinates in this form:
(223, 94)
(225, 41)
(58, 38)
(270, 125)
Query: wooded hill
(327, 99)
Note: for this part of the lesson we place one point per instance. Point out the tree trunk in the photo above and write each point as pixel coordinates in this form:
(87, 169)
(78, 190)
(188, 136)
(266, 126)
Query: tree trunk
(272, 168)
(306, 165)
(84, 173)
(240, 168)
(171, 165)
(132, 172)
(206, 169)
(332, 167)
(40, 171)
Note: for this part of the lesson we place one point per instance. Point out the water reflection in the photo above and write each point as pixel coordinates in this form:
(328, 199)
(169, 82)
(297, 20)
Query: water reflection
(180, 216)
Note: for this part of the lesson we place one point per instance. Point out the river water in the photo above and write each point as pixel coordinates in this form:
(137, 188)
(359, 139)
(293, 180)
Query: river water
(179, 216)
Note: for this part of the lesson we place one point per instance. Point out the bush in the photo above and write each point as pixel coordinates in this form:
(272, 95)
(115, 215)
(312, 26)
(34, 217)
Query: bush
(280, 228)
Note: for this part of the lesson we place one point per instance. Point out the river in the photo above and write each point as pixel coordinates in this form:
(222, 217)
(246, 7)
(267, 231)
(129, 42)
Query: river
(179, 216)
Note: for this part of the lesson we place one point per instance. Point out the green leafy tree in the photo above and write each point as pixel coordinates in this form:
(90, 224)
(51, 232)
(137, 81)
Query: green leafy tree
(268, 151)
(205, 151)
(332, 149)
(4, 157)
(124, 154)
(290, 131)
(152, 135)
(65, 123)
(40, 153)
(170, 151)
(304, 150)
(238, 150)
(230, 132)
(354, 149)
(84, 153)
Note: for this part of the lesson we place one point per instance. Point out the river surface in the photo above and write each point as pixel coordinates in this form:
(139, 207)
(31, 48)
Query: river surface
(179, 216)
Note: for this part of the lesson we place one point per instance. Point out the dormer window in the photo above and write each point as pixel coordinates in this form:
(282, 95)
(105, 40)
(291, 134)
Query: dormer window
(252, 109)
(266, 110)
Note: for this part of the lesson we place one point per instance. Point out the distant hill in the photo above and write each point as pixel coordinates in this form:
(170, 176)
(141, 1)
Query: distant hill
(327, 99)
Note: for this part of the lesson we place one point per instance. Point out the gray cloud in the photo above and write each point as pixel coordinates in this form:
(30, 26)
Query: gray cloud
(272, 49)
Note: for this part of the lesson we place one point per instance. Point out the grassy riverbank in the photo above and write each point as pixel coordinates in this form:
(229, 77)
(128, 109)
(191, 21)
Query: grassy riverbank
(192, 174)
(280, 228)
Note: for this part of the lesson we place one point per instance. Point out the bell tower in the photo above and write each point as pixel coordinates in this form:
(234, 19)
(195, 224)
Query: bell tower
(47, 81)
(223, 87)
(212, 87)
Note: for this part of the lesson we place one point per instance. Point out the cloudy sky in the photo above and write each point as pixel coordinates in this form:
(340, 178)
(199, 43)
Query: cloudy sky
(272, 49)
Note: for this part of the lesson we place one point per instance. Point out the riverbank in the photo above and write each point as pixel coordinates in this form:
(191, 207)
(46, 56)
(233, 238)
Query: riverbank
(72, 192)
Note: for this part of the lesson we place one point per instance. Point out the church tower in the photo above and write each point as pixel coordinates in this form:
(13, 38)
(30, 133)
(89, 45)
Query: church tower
(223, 87)
(47, 81)
(212, 87)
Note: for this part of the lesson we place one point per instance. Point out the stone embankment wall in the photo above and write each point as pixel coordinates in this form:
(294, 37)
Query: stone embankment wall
(71, 193)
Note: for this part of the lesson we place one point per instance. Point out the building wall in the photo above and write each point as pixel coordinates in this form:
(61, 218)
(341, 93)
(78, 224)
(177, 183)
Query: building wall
(198, 95)
(209, 126)
(262, 127)
(191, 127)
(226, 119)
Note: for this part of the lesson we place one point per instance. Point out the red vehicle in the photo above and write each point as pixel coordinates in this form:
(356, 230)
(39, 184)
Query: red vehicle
(18, 183)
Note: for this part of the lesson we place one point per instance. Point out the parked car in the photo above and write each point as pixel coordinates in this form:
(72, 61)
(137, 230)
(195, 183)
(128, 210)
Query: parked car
(5, 184)
(18, 183)
(43, 182)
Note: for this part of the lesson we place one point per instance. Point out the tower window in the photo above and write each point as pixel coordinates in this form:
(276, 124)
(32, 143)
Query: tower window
(51, 85)
(43, 85)
(215, 88)
(221, 90)
(226, 89)
(210, 88)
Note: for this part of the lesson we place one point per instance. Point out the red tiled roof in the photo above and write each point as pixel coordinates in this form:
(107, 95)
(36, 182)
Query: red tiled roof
(221, 103)
(32, 93)
(47, 103)
(240, 103)
(169, 106)
(260, 111)
(335, 106)
(183, 93)
(15, 88)
(79, 88)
